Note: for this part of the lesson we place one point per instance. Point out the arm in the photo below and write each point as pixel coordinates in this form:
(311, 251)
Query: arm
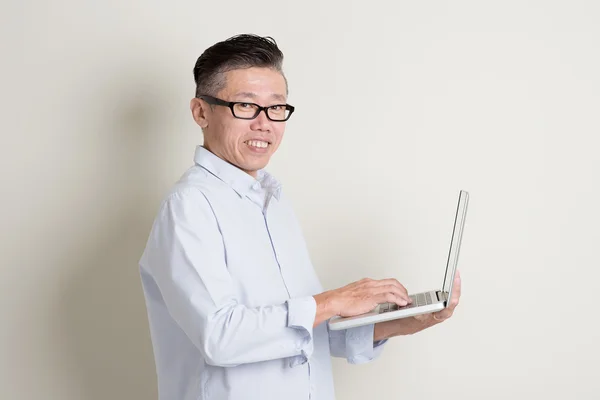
(186, 260)
(356, 345)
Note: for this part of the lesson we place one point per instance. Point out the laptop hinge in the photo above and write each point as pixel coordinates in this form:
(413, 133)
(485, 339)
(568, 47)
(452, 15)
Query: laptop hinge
(442, 296)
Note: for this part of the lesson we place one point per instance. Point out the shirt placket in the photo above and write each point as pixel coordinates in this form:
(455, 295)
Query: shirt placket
(265, 213)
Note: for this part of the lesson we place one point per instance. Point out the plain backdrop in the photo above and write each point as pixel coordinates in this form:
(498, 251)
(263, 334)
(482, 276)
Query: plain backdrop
(399, 105)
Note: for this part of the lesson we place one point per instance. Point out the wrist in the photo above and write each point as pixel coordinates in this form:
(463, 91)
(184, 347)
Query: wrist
(326, 303)
(382, 331)
(326, 306)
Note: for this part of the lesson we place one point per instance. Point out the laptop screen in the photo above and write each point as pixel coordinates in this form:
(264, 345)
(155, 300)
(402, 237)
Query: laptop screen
(457, 231)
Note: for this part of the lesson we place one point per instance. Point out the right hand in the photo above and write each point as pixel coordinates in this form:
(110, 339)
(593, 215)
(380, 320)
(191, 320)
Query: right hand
(363, 296)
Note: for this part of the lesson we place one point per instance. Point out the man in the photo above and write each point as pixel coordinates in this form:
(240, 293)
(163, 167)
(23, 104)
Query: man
(236, 310)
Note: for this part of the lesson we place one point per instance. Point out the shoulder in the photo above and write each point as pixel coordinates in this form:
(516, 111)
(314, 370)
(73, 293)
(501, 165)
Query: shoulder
(195, 186)
(187, 200)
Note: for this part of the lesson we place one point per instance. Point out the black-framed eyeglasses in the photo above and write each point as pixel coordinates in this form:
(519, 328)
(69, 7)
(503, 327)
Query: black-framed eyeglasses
(246, 110)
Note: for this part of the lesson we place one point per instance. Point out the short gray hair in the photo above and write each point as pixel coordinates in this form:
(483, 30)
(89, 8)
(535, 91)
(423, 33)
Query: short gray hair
(237, 52)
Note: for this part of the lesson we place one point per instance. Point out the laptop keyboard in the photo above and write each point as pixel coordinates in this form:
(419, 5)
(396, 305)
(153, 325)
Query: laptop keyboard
(419, 299)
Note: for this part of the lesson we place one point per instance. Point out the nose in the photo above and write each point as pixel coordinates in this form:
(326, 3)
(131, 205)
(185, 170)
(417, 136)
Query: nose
(261, 122)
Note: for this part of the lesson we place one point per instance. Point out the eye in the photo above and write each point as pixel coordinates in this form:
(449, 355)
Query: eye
(276, 108)
(244, 105)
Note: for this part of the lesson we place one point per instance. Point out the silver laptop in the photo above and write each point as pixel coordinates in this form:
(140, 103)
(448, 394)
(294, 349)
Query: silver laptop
(423, 303)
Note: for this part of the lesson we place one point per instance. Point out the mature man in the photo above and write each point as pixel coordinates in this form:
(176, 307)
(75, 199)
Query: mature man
(236, 310)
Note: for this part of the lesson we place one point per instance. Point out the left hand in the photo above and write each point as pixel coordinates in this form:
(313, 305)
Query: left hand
(408, 326)
(447, 312)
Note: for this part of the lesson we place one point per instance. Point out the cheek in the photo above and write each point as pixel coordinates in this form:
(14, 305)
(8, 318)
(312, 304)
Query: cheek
(279, 133)
(234, 133)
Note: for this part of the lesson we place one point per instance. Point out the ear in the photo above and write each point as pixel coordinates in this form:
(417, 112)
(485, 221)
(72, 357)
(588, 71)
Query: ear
(199, 112)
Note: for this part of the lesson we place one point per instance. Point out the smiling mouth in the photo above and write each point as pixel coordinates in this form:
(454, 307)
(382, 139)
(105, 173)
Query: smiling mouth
(259, 144)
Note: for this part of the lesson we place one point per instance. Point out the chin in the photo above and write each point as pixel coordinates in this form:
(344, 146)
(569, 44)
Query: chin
(251, 167)
(256, 167)
(258, 164)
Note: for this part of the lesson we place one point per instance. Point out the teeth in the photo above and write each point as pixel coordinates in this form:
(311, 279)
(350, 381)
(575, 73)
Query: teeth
(257, 143)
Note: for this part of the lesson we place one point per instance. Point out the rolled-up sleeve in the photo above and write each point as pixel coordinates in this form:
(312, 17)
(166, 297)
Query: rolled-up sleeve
(186, 259)
(301, 316)
(356, 345)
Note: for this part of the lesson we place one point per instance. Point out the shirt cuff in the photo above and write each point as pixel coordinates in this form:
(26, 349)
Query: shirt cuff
(301, 316)
(360, 347)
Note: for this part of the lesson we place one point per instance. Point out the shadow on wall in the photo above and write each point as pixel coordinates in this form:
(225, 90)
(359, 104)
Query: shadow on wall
(101, 312)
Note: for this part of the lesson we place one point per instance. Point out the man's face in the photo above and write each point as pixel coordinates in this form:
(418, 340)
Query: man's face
(238, 141)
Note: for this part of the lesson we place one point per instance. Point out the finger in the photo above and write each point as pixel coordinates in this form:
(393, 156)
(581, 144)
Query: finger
(392, 289)
(388, 297)
(444, 314)
(439, 317)
(394, 282)
(457, 287)
(453, 301)
(400, 299)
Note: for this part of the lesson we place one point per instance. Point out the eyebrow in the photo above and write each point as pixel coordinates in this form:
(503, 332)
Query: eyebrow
(254, 96)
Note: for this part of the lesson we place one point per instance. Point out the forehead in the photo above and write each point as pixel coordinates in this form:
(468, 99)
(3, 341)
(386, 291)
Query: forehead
(259, 83)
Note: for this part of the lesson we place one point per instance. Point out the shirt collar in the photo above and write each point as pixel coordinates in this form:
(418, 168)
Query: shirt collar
(240, 181)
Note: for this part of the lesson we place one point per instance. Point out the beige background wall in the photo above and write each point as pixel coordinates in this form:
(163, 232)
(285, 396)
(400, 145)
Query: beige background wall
(399, 106)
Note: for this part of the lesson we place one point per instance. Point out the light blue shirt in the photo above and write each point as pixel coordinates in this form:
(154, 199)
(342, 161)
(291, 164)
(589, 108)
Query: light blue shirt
(228, 284)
